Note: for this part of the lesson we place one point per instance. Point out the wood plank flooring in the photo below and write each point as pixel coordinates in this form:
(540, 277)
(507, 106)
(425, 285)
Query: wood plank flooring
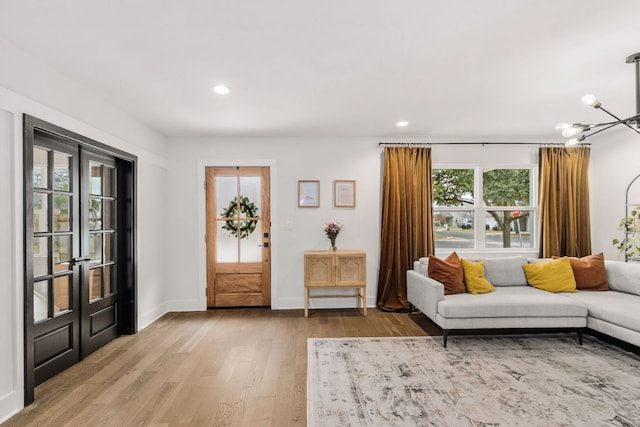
(222, 367)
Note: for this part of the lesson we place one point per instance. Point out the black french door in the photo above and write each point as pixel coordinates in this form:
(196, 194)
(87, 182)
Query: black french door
(79, 249)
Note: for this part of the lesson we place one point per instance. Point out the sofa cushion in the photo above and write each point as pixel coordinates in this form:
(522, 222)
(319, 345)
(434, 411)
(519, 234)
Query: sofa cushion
(589, 272)
(510, 301)
(474, 279)
(553, 276)
(423, 266)
(505, 271)
(623, 276)
(614, 307)
(449, 272)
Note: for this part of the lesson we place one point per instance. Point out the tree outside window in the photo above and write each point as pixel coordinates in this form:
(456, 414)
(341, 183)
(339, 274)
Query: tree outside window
(483, 207)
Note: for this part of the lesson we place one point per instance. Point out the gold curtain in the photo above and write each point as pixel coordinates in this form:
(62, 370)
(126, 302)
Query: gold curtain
(564, 202)
(407, 230)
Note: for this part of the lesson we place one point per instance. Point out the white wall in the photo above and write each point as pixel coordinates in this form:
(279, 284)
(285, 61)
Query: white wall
(615, 161)
(324, 159)
(28, 86)
(292, 159)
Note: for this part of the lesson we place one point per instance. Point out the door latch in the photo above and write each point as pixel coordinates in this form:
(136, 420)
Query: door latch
(80, 259)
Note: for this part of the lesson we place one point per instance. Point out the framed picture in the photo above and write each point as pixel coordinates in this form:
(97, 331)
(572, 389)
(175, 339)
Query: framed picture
(344, 194)
(308, 194)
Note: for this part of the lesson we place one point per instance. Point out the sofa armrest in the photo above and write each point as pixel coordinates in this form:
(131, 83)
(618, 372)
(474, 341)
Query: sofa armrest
(424, 293)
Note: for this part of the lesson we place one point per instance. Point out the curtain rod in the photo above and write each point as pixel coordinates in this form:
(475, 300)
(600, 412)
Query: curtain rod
(429, 144)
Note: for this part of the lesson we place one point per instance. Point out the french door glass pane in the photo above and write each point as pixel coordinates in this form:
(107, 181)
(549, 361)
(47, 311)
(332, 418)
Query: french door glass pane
(108, 214)
(250, 246)
(62, 253)
(226, 242)
(40, 212)
(61, 209)
(226, 191)
(61, 294)
(238, 239)
(40, 168)
(108, 177)
(40, 301)
(109, 245)
(95, 248)
(40, 256)
(95, 283)
(95, 214)
(250, 195)
(95, 176)
(61, 168)
(108, 278)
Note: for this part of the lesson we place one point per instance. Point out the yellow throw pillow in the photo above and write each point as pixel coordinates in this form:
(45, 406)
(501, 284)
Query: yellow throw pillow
(474, 279)
(552, 276)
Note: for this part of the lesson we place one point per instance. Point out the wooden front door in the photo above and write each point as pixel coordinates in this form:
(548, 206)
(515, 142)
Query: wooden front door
(238, 236)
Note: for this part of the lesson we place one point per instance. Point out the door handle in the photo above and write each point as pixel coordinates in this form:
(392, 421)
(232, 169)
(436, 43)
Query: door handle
(265, 245)
(80, 259)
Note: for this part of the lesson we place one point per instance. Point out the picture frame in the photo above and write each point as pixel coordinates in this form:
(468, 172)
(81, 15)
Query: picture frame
(308, 194)
(344, 193)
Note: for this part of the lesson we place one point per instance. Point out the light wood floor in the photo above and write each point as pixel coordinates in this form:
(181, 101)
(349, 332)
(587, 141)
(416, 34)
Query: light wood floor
(223, 367)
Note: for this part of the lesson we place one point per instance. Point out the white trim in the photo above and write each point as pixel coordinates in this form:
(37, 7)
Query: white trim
(145, 319)
(202, 223)
(13, 401)
(18, 257)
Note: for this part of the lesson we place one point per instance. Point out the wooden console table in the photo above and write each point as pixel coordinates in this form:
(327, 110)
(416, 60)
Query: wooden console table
(337, 270)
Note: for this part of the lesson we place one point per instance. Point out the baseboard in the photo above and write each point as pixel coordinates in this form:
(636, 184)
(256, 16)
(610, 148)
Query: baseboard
(149, 317)
(10, 404)
(187, 305)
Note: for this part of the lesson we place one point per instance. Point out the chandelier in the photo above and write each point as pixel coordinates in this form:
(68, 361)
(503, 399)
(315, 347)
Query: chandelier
(578, 132)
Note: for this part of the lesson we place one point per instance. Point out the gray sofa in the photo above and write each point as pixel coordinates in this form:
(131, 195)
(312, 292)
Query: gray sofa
(516, 305)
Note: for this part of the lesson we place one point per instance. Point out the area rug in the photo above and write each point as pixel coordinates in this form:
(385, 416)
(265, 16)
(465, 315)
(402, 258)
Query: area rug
(533, 380)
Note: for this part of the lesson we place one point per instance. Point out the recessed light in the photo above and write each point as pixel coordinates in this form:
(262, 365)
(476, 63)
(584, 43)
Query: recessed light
(402, 123)
(221, 90)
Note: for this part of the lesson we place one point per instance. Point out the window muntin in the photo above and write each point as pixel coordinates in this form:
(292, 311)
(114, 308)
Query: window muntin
(499, 199)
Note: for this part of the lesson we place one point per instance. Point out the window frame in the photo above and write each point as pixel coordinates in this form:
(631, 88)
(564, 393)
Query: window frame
(480, 210)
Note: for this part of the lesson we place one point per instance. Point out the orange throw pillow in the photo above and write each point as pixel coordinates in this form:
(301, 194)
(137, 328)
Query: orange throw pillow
(590, 273)
(449, 272)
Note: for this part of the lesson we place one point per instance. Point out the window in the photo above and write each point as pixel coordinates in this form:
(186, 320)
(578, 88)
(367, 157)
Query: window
(484, 208)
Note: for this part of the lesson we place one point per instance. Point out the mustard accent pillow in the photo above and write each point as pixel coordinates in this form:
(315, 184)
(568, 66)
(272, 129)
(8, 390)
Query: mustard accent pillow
(553, 276)
(474, 279)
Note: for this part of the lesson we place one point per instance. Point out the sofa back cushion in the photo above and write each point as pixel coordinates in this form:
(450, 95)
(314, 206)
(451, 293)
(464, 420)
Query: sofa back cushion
(422, 266)
(505, 271)
(623, 276)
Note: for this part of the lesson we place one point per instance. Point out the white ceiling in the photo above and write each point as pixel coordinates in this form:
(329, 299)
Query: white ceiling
(455, 69)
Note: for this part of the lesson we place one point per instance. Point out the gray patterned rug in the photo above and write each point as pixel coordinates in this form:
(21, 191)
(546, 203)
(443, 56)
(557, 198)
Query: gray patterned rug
(539, 380)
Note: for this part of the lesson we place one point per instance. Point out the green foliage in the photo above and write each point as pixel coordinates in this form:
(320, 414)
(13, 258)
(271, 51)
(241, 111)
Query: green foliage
(630, 243)
(506, 187)
(248, 209)
(500, 187)
(450, 185)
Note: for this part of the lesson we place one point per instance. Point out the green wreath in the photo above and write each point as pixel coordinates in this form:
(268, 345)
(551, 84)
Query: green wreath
(247, 209)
